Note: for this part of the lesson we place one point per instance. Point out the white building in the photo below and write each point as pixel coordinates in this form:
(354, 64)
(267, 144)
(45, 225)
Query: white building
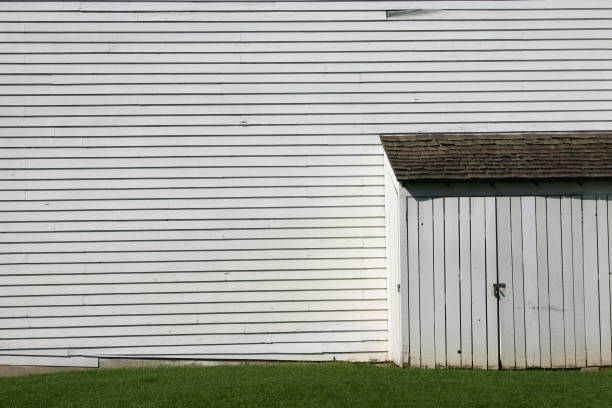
(206, 180)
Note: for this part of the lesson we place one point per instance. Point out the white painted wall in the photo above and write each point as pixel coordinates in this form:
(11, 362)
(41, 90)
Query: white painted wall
(397, 284)
(205, 180)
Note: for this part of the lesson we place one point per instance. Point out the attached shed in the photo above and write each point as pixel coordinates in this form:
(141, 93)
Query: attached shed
(506, 259)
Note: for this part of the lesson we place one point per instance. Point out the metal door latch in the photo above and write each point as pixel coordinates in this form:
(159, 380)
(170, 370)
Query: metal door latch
(497, 290)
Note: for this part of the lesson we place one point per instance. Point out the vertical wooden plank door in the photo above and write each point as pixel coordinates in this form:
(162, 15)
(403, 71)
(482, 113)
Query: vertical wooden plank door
(452, 262)
(540, 259)
(509, 281)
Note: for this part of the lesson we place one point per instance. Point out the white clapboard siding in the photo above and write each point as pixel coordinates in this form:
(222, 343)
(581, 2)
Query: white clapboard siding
(196, 141)
(198, 162)
(191, 235)
(293, 5)
(301, 26)
(189, 172)
(466, 34)
(182, 171)
(79, 345)
(167, 225)
(316, 356)
(376, 90)
(200, 298)
(198, 290)
(445, 89)
(558, 122)
(227, 265)
(195, 214)
(197, 308)
(209, 16)
(310, 57)
(309, 346)
(197, 151)
(289, 46)
(82, 83)
(191, 277)
(188, 203)
(205, 15)
(294, 109)
(56, 361)
(314, 67)
(371, 93)
(127, 184)
(7, 260)
(256, 321)
(377, 121)
(34, 196)
(193, 329)
(139, 14)
(218, 83)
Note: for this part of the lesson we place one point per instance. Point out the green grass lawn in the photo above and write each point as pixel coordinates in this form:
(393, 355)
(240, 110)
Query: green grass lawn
(307, 385)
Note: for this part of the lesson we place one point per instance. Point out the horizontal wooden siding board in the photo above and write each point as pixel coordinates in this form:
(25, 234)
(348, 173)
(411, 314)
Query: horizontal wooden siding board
(204, 180)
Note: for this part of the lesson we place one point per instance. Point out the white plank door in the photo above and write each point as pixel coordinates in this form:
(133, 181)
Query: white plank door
(537, 245)
(504, 275)
(451, 265)
(549, 258)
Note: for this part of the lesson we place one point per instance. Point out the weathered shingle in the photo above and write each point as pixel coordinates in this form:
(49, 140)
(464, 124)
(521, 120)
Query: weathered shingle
(437, 157)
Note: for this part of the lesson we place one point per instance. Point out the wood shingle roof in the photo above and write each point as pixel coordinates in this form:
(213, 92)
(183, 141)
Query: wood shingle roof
(439, 157)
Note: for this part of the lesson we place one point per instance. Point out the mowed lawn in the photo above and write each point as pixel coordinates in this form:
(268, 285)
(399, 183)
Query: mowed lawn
(307, 385)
